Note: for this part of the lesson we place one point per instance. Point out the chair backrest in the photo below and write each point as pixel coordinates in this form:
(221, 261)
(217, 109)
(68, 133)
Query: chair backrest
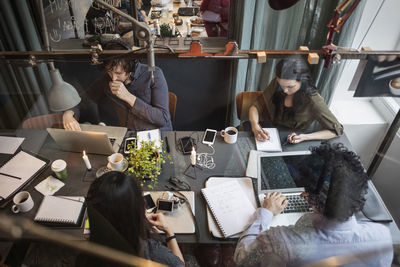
(172, 99)
(243, 102)
(44, 121)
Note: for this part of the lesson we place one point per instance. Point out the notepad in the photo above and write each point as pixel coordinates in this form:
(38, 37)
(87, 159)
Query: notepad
(273, 144)
(60, 211)
(247, 186)
(151, 135)
(18, 171)
(231, 208)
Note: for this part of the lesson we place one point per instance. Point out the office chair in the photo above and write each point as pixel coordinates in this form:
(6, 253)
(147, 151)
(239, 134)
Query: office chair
(172, 99)
(243, 102)
(53, 120)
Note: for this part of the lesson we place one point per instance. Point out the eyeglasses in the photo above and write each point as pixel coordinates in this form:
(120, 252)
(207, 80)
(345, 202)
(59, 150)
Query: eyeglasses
(179, 183)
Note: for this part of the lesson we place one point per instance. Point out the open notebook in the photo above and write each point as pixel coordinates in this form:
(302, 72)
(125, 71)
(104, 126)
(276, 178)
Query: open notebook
(61, 211)
(228, 200)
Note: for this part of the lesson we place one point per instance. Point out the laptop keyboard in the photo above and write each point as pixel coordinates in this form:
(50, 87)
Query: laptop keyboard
(296, 204)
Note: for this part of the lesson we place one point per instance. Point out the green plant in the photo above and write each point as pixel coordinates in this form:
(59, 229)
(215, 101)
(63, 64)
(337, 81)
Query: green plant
(145, 162)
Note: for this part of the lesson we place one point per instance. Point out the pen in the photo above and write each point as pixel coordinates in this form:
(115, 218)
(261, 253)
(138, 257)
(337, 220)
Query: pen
(167, 144)
(9, 175)
(149, 136)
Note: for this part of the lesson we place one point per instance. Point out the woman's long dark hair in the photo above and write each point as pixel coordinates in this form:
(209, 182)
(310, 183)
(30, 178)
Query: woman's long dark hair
(294, 69)
(119, 198)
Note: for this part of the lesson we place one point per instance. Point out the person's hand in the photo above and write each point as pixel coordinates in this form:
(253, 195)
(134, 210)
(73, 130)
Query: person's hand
(259, 133)
(69, 122)
(118, 89)
(295, 138)
(158, 220)
(275, 202)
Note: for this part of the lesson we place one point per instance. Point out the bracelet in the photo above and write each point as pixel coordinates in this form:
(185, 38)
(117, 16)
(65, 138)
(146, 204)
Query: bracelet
(170, 238)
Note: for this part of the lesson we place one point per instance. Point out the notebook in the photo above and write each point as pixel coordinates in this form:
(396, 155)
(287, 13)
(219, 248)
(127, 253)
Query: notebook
(230, 207)
(61, 211)
(18, 171)
(151, 135)
(247, 185)
(274, 142)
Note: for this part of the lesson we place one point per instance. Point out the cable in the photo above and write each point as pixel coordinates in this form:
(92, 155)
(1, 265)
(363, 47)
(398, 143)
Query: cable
(206, 160)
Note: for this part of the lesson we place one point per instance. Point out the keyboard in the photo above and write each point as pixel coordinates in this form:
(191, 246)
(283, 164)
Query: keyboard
(296, 204)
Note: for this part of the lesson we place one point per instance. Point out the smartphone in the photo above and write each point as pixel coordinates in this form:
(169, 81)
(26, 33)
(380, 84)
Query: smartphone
(129, 141)
(149, 202)
(209, 137)
(165, 205)
(186, 145)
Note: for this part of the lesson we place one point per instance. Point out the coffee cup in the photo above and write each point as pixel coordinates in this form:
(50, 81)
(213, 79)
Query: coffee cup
(116, 161)
(59, 167)
(394, 86)
(230, 135)
(23, 202)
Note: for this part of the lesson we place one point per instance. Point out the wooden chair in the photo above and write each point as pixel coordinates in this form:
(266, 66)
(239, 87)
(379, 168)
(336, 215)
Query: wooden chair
(243, 102)
(44, 121)
(172, 99)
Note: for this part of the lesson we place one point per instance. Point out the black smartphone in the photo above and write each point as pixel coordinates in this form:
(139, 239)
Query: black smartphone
(186, 145)
(165, 205)
(149, 202)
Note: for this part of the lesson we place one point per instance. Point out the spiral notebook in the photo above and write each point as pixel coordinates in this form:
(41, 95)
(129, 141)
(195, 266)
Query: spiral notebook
(61, 211)
(230, 206)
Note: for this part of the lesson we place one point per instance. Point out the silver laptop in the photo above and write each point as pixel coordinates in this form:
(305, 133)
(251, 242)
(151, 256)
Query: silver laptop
(94, 139)
(278, 172)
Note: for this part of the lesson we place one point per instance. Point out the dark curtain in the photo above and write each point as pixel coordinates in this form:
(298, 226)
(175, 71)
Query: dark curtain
(22, 87)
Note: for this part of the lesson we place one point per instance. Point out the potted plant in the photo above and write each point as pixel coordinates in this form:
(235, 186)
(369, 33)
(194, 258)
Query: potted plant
(145, 162)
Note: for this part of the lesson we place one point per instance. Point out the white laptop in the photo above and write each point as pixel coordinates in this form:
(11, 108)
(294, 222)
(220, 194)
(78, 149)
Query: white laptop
(278, 172)
(94, 139)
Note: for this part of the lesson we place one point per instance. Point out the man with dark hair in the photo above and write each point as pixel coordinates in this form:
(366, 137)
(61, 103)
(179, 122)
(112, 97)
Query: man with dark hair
(331, 230)
(126, 96)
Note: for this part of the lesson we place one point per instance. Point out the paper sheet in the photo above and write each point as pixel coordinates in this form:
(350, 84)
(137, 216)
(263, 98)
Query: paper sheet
(273, 144)
(8, 145)
(49, 186)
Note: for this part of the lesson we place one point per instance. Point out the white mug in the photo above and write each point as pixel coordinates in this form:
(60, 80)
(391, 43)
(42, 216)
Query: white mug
(230, 135)
(23, 202)
(394, 86)
(116, 161)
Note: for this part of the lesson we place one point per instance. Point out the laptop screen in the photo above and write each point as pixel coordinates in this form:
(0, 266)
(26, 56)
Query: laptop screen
(282, 172)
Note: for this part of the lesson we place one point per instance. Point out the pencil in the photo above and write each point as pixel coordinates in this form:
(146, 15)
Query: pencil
(9, 175)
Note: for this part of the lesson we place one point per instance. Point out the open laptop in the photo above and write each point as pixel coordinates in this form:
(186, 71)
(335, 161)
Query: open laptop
(94, 139)
(278, 172)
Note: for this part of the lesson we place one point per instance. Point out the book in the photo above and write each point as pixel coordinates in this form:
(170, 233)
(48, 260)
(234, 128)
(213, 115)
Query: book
(229, 206)
(61, 211)
(18, 171)
(273, 144)
(247, 186)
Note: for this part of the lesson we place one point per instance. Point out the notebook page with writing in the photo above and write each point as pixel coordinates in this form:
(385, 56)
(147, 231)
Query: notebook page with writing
(230, 206)
(247, 186)
(17, 171)
(60, 210)
(274, 142)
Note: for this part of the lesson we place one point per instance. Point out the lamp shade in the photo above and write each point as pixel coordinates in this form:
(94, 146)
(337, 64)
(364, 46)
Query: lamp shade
(62, 96)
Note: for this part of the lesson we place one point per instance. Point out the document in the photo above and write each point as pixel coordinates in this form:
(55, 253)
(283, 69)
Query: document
(8, 145)
(271, 145)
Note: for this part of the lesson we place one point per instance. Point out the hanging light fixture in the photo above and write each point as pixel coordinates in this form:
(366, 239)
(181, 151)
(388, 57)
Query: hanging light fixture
(62, 95)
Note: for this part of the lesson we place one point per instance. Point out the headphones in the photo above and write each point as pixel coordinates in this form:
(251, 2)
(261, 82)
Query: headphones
(117, 43)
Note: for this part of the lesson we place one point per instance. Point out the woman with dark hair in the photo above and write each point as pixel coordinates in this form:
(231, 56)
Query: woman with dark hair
(118, 198)
(291, 100)
(331, 230)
